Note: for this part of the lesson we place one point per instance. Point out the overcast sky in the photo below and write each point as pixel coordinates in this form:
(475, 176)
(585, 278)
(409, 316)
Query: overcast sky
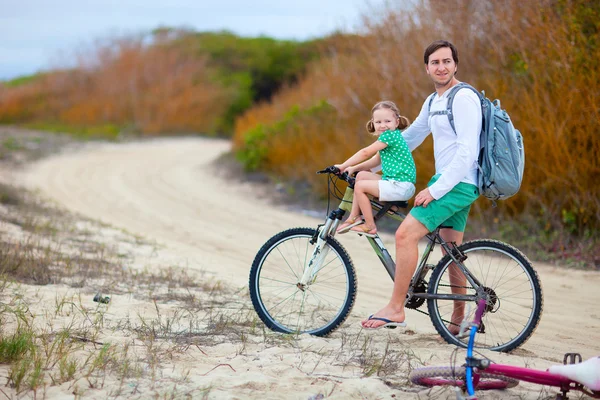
(40, 34)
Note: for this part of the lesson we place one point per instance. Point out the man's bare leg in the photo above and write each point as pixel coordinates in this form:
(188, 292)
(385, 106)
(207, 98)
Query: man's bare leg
(407, 253)
(458, 281)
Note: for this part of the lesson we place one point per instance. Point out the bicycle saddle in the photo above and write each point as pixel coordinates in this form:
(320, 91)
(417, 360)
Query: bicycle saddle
(587, 373)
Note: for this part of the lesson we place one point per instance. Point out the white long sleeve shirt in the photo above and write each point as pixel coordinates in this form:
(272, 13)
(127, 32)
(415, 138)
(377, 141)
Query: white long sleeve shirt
(455, 153)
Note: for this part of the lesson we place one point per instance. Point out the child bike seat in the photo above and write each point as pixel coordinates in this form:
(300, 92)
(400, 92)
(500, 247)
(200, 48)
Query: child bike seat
(391, 204)
(390, 207)
(400, 204)
(587, 373)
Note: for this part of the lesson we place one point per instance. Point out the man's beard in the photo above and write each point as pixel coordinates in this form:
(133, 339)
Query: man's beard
(439, 85)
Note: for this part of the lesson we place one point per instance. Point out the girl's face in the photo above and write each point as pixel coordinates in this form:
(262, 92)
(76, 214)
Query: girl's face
(384, 119)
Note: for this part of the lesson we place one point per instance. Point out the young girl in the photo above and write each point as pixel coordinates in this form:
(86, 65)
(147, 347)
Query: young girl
(399, 173)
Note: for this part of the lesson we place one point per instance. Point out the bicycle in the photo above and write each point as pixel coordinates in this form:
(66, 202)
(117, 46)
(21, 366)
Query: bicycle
(303, 280)
(483, 374)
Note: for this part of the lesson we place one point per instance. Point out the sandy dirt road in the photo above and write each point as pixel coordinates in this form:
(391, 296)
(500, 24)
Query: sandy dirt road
(167, 190)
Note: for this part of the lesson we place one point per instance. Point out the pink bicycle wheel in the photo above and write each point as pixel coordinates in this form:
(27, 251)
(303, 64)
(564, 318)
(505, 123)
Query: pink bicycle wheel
(449, 376)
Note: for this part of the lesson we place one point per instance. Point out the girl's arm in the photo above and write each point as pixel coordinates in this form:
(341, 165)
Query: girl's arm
(362, 155)
(368, 165)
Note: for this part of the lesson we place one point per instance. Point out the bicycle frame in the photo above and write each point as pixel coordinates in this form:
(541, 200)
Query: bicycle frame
(328, 229)
(422, 268)
(315, 263)
(474, 365)
(300, 267)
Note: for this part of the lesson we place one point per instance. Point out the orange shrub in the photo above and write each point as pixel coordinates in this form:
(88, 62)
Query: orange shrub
(150, 89)
(540, 58)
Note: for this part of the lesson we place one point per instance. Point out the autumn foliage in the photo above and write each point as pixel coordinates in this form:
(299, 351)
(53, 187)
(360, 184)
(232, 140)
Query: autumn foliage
(170, 81)
(539, 57)
(290, 117)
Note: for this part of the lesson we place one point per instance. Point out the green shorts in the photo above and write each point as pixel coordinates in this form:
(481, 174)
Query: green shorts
(451, 210)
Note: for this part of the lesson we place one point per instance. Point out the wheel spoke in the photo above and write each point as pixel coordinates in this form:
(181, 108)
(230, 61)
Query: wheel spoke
(318, 306)
(511, 284)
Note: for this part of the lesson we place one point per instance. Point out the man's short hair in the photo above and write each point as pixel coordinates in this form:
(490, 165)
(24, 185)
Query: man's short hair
(438, 44)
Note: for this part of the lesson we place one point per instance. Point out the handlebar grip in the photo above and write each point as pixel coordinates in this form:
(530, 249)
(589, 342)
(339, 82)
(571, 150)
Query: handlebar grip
(336, 171)
(330, 170)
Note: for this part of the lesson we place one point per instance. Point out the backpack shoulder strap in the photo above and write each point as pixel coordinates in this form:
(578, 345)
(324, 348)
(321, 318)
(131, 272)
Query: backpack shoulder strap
(451, 94)
(431, 97)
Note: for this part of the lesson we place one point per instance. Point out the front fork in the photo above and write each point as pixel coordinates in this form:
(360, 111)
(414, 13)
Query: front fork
(319, 254)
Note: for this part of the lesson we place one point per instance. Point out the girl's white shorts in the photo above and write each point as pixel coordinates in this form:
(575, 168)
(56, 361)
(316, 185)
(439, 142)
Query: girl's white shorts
(395, 190)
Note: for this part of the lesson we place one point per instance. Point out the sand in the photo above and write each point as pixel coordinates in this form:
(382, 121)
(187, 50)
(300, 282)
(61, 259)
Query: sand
(167, 190)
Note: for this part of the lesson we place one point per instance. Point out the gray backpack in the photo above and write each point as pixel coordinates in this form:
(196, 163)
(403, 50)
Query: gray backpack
(501, 155)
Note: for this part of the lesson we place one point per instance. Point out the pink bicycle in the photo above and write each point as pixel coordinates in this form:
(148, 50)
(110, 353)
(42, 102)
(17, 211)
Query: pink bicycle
(483, 374)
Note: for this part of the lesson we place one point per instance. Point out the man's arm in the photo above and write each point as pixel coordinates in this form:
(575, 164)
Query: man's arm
(416, 133)
(467, 121)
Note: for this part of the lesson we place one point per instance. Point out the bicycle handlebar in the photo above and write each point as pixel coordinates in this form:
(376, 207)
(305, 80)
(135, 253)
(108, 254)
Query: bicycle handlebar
(336, 171)
(330, 170)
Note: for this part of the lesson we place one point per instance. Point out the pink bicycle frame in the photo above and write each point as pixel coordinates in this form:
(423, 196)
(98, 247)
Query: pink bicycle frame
(523, 374)
(529, 375)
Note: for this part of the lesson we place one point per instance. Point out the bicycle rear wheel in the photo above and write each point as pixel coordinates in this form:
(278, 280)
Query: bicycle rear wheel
(285, 306)
(514, 290)
(451, 376)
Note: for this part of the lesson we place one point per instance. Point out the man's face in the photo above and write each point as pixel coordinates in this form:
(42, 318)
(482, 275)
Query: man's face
(441, 66)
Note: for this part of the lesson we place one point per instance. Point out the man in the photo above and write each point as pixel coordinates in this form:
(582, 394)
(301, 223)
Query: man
(449, 195)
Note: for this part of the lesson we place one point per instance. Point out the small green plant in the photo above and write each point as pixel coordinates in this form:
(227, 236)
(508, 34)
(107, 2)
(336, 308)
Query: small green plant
(27, 372)
(10, 195)
(67, 367)
(98, 131)
(18, 373)
(11, 144)
(36, 376)
(16, 346)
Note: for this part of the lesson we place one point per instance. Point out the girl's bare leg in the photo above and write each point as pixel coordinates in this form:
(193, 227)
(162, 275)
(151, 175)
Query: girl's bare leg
(361, 191)
(355, 211)
(362, 176)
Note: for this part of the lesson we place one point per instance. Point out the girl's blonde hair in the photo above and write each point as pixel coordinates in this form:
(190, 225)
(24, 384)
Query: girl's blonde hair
(403, 122)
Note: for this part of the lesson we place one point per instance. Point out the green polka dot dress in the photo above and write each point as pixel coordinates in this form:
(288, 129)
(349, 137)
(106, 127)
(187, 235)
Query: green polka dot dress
(397, 162)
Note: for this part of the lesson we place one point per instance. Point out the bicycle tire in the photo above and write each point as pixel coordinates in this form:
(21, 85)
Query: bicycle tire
(451, 376)
(281, 304)
(507, 274)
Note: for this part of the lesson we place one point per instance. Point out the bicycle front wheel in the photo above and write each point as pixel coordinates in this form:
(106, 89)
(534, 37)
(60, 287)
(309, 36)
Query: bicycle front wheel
(283, 303)
(513, 288)
(450, 376)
